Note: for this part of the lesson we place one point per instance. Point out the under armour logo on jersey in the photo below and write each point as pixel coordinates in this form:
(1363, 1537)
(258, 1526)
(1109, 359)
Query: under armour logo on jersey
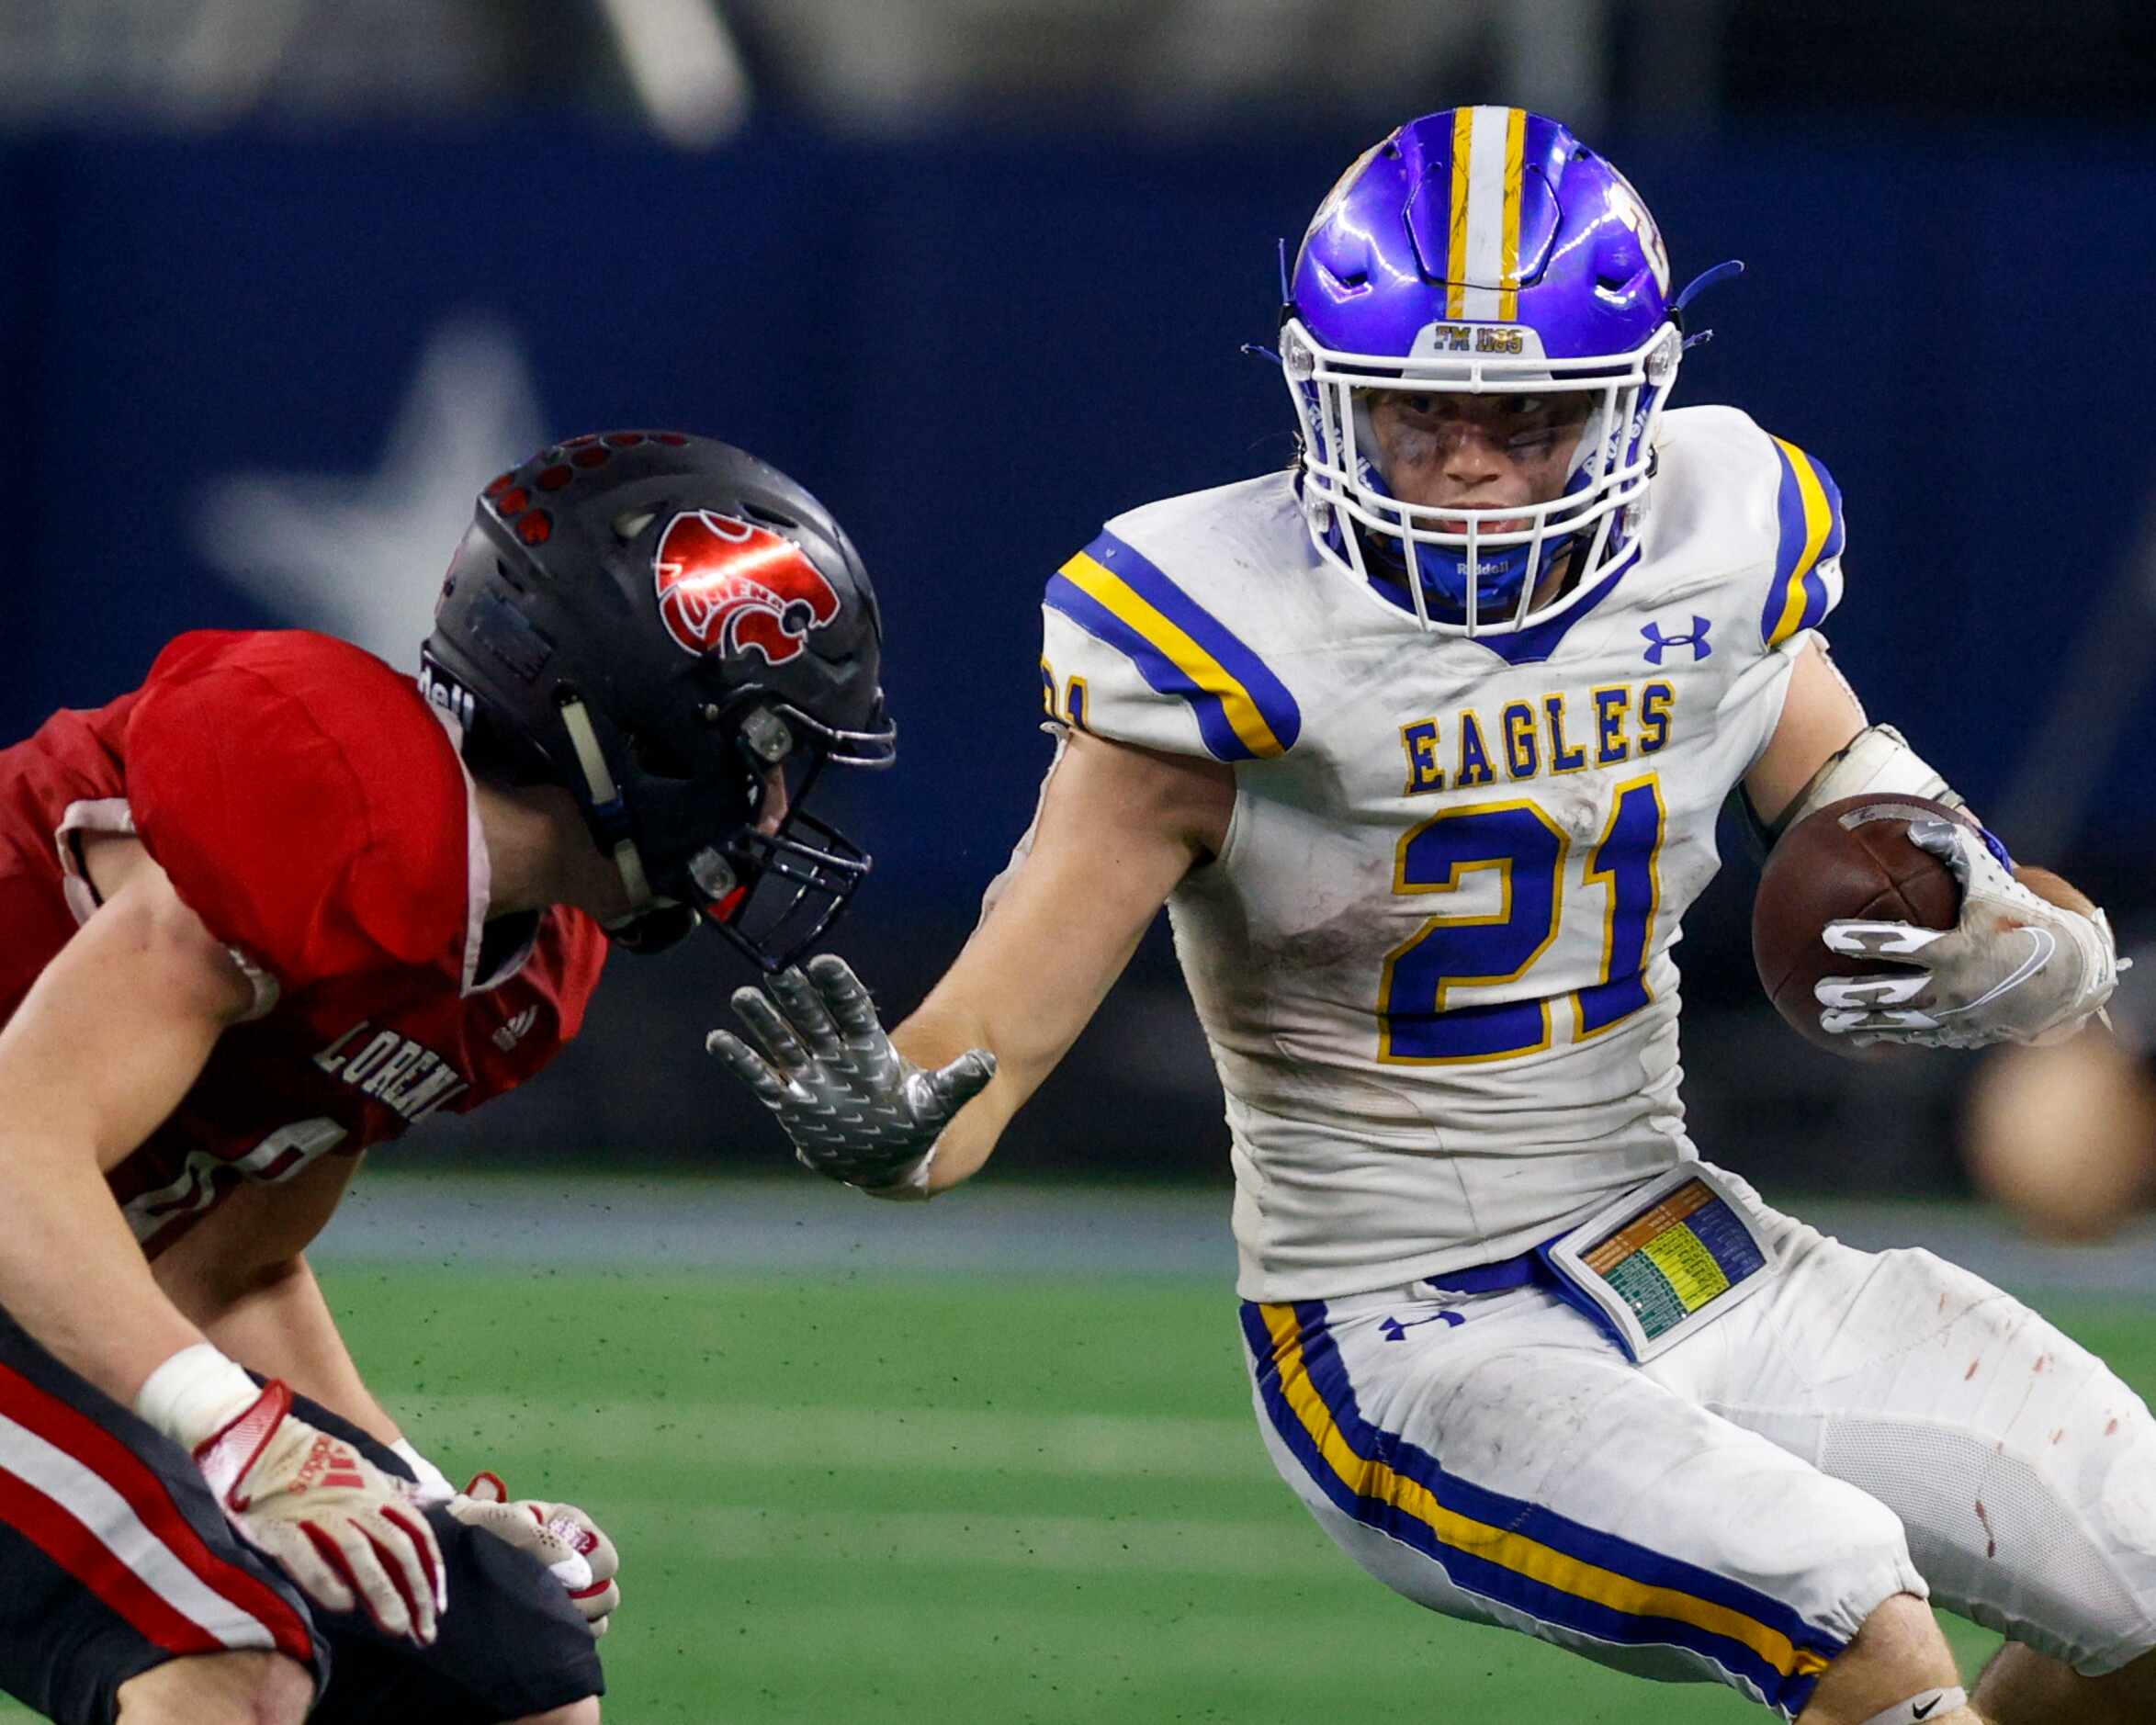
(1659, 642)
(1393, 1330)
(510, 1034)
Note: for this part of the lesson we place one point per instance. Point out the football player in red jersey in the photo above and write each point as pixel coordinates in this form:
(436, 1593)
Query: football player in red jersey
(269, 909)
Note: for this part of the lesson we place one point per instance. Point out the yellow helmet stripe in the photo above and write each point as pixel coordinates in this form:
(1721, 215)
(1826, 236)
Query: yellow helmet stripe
(1456, 250)
(1487, 210)
(1515, 163)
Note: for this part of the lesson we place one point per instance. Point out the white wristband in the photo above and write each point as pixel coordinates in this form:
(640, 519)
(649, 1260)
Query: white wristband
(1931, 1704)
(433, 1485)
(196, 1394)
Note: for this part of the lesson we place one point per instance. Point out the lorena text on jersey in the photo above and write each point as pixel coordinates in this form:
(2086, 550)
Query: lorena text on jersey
(404, 1074)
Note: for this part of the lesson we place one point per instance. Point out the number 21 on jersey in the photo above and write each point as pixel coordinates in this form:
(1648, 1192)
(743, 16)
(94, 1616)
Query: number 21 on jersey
(1421, 1022)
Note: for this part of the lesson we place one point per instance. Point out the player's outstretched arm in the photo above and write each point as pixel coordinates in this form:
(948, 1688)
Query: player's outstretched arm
(1118, 827)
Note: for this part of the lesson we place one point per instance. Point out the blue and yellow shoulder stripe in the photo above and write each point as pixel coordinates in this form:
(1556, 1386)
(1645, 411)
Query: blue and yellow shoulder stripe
(1808, 522)
(1122, 598)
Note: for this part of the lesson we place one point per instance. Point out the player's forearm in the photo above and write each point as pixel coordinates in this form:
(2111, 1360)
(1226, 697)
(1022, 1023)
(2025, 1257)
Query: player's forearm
(277, 1323)
(936, 1035)
(1117, 830)
(242, 1274)
(1027, 983)
(105, 1044)
(70, 1272)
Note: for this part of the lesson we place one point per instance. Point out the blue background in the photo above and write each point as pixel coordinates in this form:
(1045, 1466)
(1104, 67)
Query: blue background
(977, 347)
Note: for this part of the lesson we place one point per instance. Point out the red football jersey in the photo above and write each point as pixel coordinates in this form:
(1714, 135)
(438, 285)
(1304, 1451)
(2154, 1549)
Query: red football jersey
(310, 807)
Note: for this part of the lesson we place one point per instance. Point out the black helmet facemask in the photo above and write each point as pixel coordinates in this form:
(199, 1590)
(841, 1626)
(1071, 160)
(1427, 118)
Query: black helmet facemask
(676, 634)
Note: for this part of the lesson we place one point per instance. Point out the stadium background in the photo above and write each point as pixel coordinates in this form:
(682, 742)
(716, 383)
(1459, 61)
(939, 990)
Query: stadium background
(282, 282)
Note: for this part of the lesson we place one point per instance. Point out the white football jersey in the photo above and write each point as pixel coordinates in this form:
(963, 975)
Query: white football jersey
(1434, 959)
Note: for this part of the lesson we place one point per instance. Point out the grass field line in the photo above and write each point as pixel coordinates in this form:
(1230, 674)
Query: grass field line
(793, 1535)
(956, 1440)
(651, 1224)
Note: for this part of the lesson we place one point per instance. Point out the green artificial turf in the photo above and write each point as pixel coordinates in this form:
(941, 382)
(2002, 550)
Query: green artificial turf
(1001, 1498)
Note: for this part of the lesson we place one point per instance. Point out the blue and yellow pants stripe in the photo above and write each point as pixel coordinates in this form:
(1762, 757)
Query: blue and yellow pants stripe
(1572, 1578)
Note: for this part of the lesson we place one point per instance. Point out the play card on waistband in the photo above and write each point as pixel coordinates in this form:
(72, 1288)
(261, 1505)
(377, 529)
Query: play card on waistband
(1667, 1259)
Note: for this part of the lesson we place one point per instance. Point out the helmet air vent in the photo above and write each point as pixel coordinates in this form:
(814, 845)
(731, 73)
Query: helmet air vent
(1343, 286)
(770, 517)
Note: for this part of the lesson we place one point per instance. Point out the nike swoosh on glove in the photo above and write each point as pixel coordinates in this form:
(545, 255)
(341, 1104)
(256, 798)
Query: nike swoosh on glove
(2014, 967)
(855, 1108)
(343, 1529)
(567, 1543)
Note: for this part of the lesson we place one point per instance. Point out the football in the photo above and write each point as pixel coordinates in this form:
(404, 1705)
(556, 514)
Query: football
(1851, 859)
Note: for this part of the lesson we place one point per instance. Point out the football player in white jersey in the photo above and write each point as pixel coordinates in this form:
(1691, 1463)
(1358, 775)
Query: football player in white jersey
(1421, 742)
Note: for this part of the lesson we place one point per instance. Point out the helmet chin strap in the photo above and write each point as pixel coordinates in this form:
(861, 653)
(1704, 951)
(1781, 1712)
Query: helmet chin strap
(606, 800)
(651, 923)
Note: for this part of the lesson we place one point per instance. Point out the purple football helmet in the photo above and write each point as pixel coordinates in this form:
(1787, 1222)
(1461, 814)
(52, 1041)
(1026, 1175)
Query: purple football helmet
(1484, 250)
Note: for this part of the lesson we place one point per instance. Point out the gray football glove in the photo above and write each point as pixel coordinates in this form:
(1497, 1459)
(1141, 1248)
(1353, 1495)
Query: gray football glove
(2014, 967)
(855, 1108)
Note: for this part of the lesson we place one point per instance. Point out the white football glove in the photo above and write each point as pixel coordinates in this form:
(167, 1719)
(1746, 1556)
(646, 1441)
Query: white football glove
(855, 1108)
(2014, 967)
(566, 1541)
(344, 1531)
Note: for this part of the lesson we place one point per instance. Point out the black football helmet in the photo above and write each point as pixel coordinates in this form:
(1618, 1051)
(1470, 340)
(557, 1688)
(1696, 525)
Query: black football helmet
(673, 631)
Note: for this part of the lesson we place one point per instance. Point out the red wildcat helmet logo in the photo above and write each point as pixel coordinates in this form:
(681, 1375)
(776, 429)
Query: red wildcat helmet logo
(726, 585)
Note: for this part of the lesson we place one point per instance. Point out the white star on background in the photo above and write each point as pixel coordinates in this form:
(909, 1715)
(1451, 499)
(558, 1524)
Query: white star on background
(362, 556)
